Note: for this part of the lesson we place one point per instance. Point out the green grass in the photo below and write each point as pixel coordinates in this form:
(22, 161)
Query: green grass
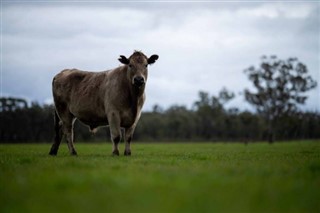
(171, 177)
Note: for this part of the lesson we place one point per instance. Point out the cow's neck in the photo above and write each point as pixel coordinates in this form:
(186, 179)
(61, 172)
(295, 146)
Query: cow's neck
(136, 98)
(138, 91)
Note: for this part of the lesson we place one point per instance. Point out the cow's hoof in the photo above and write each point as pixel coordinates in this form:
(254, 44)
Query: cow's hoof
(74, 153)
(115, 153)
(53, 152)
(127, 152)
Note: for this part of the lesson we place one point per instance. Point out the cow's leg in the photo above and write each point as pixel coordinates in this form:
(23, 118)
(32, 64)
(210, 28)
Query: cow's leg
(115, 130)
(67, 127)
(70, 138)
(128, 137)
(58, 135)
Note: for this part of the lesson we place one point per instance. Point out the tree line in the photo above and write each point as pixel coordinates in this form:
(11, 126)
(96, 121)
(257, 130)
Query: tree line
(207, 120)
(279, 88)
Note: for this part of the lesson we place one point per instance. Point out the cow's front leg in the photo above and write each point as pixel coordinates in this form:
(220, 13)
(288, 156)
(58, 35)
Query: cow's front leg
(128, 138)
(115, 130)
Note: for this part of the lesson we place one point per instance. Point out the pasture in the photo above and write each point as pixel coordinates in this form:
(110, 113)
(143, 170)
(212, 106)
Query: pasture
(168, 177)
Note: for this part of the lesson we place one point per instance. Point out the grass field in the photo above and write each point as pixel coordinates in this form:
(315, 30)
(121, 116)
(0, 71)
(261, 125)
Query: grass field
(193, 177)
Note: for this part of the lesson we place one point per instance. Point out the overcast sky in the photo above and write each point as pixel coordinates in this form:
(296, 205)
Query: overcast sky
(202, 46)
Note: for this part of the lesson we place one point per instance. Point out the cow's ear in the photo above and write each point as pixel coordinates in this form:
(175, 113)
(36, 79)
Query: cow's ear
(123, 60)
(152, 59)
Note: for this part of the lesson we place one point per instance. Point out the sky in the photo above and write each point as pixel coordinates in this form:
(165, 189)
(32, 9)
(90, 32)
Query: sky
(202, 46)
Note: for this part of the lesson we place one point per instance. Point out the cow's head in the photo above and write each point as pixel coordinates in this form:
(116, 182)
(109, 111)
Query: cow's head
(138, 67)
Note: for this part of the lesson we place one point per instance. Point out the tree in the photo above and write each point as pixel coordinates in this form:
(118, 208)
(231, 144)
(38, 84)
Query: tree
(11, 104)
(211, 114)
(280, 86)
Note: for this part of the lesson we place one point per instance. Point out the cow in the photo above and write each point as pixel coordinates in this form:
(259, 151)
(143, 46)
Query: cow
(111, 98)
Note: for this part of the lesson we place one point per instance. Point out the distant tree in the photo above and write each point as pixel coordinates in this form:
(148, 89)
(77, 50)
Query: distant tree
(11, 104)
(211, 114)
(157, 109)
(280, 86)
(225, 95)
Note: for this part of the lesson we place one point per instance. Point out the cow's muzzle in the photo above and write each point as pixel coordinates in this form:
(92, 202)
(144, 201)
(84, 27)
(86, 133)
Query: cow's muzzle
(138, 81)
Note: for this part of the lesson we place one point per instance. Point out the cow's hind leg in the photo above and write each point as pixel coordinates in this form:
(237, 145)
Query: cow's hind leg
(115, 130)
(67, 127)
(70, 137)
(58, 135)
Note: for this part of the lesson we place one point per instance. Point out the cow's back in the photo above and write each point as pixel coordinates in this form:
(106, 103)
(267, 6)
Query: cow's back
(65, 82)
(80, 93)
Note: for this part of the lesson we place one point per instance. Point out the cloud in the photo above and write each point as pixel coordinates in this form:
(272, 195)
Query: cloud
(201, 46)
(278, 10)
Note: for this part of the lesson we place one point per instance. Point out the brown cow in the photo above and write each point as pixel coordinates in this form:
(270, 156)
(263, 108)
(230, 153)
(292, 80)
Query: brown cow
(113, 98)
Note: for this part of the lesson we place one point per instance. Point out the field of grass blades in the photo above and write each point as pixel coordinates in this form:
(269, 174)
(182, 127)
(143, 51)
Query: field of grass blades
(162, 177)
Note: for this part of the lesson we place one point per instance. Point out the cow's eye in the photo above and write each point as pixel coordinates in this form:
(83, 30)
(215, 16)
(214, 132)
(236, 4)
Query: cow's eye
(146, 65)
(130, 65)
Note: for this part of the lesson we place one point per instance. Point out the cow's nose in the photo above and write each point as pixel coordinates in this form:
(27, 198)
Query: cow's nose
(138, 81)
